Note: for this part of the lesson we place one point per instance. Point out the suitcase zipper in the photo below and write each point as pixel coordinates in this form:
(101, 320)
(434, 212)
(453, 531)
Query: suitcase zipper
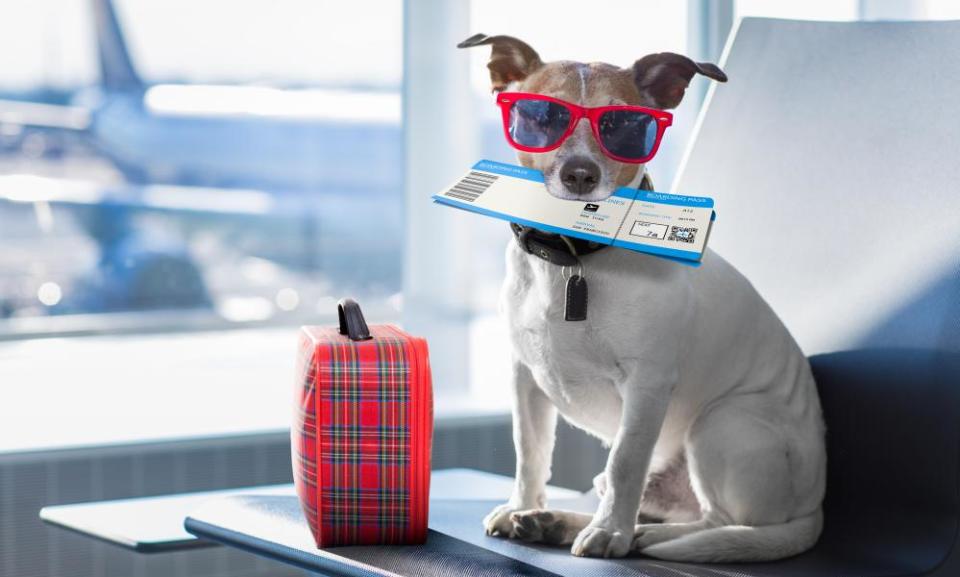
(421, 476)
(426, 428)
(420, 424)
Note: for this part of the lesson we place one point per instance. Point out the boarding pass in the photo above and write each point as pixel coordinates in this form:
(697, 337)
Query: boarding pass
(666, 225)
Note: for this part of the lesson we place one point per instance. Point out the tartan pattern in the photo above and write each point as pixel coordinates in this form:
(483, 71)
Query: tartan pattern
(352, 440)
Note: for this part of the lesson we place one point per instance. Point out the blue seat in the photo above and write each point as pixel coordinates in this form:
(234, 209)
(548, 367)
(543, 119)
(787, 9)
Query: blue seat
(893, 421)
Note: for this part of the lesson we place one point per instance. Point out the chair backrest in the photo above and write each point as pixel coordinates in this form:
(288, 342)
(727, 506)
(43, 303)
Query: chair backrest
(833, 154)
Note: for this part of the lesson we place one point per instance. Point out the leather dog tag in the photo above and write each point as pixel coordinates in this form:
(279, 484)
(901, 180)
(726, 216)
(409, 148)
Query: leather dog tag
(575, 305)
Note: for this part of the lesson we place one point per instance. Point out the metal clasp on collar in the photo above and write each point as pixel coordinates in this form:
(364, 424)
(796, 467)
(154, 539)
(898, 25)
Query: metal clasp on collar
(565, 271)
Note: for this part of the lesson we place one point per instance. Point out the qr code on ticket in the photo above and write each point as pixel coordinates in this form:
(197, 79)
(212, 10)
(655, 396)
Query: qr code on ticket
(683, 234)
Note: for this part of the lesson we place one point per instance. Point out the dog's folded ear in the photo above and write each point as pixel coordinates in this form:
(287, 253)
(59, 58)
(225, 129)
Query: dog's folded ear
(511, 59)
(663, 78)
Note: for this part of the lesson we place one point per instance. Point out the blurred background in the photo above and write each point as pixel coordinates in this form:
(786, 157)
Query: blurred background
(184, 183)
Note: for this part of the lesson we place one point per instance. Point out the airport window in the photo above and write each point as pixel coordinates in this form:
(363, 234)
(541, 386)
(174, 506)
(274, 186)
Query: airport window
(164, 178)
(238, 169)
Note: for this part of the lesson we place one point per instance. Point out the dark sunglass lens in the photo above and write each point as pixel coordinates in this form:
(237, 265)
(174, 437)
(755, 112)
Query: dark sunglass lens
(538, 123)
(628, 133)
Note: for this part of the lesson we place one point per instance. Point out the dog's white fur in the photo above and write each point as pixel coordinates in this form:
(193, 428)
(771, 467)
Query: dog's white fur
(708, 403)
(671, 361)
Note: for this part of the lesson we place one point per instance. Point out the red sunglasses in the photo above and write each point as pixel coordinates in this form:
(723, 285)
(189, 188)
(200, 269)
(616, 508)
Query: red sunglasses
(538, 123)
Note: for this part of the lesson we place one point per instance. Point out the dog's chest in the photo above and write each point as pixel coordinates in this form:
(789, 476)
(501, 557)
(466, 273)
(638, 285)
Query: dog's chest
(534, 302)
(570, 362)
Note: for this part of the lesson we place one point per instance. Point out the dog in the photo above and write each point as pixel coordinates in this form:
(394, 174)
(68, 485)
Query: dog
(706, 401)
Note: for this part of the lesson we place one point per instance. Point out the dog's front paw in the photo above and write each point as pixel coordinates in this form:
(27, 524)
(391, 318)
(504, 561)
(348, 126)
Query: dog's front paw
(596, 541)
(497, 523)
(540, 526)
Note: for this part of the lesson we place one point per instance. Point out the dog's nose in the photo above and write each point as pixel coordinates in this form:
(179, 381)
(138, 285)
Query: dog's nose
(580, 175)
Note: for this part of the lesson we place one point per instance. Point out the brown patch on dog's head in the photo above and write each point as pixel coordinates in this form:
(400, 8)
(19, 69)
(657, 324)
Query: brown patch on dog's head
(656, 81)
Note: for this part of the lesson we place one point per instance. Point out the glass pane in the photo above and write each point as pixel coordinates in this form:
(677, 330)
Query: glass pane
(940, 9)
(46, 48)
(238, 165)
(799, 9)
(291, 42)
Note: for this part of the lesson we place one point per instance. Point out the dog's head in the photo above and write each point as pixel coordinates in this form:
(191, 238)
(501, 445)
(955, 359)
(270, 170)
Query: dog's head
(579, 169)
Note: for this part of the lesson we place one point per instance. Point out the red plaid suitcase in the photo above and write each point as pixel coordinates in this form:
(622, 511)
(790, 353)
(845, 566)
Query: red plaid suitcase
(362, 432)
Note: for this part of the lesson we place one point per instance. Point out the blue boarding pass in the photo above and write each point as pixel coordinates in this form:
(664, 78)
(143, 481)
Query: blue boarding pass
(666, 225)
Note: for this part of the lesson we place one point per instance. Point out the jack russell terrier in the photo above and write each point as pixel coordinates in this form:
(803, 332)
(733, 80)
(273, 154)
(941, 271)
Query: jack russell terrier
(707, 402)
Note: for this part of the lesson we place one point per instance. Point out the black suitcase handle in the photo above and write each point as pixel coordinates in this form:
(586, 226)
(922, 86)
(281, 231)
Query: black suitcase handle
(352, 323)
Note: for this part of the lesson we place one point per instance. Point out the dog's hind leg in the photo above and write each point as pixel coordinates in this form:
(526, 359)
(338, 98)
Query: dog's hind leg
(756, 472)
(549, 527)
(668, 496)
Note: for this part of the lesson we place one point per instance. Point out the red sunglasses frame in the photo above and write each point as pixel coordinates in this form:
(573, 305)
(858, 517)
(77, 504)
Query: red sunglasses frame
(506, 100)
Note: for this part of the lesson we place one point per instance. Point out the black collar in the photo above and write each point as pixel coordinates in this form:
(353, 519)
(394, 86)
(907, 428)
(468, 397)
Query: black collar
(559, 249)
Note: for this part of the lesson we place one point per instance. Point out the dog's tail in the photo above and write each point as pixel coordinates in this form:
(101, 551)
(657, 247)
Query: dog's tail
(732, 544)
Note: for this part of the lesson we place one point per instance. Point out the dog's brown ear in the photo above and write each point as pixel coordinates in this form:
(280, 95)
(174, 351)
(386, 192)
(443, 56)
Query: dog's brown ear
(662, 78)
(511, 59)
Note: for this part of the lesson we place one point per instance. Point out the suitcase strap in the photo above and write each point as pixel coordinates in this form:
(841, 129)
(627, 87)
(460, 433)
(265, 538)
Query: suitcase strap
(352, 323)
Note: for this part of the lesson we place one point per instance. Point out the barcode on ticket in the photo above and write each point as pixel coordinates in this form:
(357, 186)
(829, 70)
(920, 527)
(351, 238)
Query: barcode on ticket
(471, 186)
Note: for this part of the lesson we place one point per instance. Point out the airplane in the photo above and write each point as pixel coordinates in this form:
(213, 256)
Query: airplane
(317, 157)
